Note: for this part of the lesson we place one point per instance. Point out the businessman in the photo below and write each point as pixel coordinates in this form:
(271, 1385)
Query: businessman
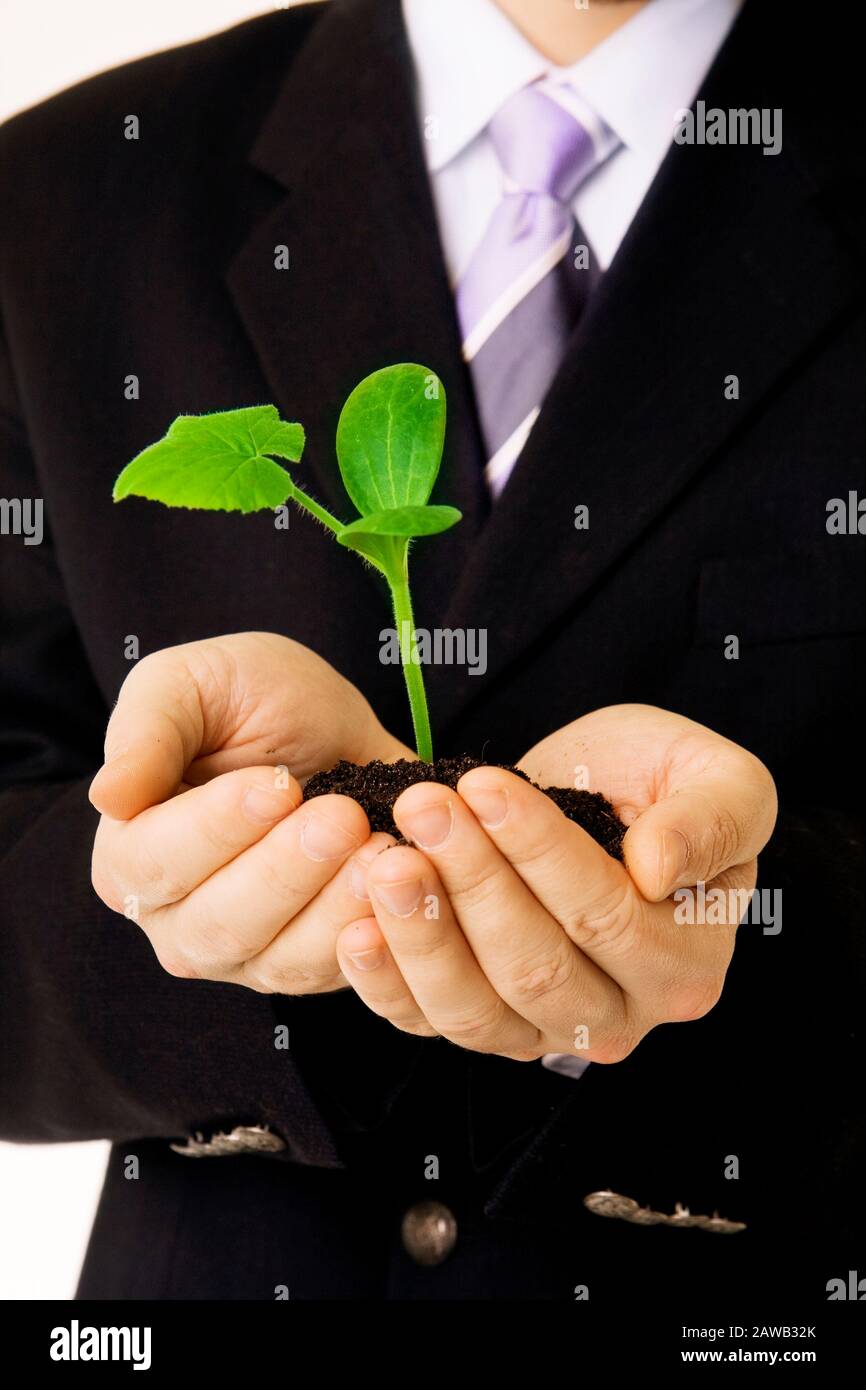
(647, 309)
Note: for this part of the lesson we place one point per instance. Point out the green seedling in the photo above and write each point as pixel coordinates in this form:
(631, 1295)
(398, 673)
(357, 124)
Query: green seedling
(389, 447)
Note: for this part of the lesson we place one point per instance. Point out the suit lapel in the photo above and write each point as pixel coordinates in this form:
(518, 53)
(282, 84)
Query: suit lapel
(730, 267)
(367, 285)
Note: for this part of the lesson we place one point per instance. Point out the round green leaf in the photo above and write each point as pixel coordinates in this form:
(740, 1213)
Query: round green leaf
(390, 437)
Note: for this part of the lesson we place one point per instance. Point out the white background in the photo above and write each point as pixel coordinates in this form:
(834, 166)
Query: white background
(48, 1193)
(46, 45)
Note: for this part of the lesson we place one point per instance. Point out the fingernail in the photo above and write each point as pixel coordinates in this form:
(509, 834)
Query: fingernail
(430, 827)
(674, 858)
(358, 880)
(323, 839)
(400, 899)
(262, 805)
(367, 960)
(490, 805)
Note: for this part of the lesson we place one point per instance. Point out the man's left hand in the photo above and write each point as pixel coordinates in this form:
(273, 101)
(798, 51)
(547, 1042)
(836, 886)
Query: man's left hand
(509, 930)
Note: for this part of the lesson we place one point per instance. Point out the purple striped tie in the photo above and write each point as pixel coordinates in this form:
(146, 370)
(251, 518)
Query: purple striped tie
(521, 295)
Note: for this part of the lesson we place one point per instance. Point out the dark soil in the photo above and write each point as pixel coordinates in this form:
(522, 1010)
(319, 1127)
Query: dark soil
(377, 785)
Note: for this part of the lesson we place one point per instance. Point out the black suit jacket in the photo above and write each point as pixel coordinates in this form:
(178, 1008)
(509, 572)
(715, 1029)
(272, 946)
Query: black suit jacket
(155, 257)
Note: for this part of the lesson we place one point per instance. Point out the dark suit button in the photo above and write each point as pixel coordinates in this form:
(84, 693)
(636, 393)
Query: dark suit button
(243, 1139)
(429, 1233)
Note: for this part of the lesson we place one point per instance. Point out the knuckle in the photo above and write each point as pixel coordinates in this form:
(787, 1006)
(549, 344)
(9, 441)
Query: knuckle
(171, 889)
(476, 894)
(220, 835)
(176, 961)
(192, 953)
(104, 866)
(256, 979)
(692, 1000)
(610, 923)
(394, 1004)
(391, 1003)
(212, 941)
(105, 887)
(274, 874)
(280, 977)
(157, 884)
(429, 943)
(478, 1031)
(535, 981)
(615, 1038)
(555, 853)
(614, 1049)
(417, 1027)
(522, 1054)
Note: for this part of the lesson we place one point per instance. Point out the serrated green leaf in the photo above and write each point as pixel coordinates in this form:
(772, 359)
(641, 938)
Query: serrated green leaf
(402, 521)
(217, 462)
(390, 437)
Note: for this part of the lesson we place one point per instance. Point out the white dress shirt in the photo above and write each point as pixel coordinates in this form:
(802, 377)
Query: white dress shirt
(470, 58)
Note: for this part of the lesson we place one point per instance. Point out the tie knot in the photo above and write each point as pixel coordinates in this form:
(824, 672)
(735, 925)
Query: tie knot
(543, 148)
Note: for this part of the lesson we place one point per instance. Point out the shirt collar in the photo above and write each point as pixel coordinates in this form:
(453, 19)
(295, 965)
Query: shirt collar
(635, 81)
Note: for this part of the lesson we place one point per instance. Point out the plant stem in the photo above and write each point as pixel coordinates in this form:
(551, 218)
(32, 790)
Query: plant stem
(398, 582)
(315, 509)
(412, 672)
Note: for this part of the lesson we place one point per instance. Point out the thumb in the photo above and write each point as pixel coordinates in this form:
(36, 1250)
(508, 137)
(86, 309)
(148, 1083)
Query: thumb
(154, 733)
(711, 823)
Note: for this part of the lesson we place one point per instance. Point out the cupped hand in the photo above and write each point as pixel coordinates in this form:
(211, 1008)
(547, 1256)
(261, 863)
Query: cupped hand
(203, 840)
(509, 930)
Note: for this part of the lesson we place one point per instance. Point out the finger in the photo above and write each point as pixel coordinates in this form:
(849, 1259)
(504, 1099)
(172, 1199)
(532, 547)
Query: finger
(302, 957)
(236, 912)
(533, 967)
(435, 958)
(661, 967)
(165, 852)
(562, 866)
(588, 893)
(712, 822)
(155, 731)
(368, 965)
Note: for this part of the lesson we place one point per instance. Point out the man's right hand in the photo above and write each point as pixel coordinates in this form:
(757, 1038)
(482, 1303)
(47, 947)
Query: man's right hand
(205, 843)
